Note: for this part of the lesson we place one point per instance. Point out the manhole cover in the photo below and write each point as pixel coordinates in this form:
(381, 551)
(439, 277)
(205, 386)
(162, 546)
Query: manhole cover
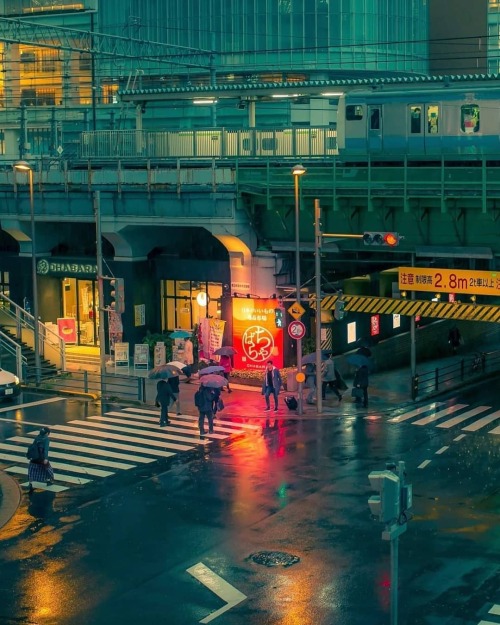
(274, 558)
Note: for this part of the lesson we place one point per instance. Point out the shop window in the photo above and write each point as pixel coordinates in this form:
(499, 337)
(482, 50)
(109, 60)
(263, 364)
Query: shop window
(354, 112)
(185, 302)
(415, 120)
(433, 119)
(469, 118)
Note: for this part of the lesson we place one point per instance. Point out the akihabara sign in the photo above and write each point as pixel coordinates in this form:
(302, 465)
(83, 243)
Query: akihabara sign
(255, 335)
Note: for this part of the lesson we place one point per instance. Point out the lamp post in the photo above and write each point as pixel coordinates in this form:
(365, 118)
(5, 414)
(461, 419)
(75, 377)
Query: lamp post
(297, 172)
(26, 168)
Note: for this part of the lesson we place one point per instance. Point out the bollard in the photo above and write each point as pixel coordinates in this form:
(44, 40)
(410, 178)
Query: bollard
(85, 381)
(414, 387)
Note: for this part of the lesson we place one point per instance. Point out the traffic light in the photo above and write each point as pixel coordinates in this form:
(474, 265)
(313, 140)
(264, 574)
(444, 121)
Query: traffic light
(381, 238)
(386, 505)
(339, 311)
(279, 318)
(117, 295)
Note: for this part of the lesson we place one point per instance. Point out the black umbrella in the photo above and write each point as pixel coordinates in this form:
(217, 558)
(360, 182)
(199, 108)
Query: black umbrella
(164, 372)
(225, 350)
(211, 369)
(309, 359)
(213, 381)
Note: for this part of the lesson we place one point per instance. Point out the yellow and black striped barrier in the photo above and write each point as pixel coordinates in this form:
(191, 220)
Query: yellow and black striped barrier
(411, 308)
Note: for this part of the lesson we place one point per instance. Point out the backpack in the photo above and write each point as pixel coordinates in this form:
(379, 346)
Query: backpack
(198, 398)
(291, 402)
(33, 452)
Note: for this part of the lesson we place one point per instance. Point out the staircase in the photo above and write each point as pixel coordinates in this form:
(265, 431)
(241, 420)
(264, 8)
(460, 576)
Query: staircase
(47, 369)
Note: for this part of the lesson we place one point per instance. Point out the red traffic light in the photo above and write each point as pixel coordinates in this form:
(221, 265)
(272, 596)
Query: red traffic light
(391, 239)
(381, 238)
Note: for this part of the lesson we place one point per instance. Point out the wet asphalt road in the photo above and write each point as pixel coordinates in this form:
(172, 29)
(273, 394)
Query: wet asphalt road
(117, 549)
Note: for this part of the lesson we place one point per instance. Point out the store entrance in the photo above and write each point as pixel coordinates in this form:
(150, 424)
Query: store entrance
(81, 302)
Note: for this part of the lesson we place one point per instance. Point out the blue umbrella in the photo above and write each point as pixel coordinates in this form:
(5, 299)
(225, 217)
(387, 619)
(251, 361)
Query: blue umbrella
(359, 360)
(311, 358)
(180, 334)
(211, 369)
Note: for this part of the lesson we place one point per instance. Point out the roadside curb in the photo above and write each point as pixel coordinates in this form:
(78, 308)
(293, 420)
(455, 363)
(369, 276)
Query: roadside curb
(10, 498)
(37, 389)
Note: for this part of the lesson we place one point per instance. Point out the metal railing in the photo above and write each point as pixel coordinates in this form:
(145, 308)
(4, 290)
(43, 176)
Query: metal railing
(11, 356)
(52, 347)
(472, 367)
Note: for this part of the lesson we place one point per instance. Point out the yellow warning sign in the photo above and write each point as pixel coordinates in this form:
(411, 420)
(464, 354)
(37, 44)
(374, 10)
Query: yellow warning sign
(296, 310)
(449, 280)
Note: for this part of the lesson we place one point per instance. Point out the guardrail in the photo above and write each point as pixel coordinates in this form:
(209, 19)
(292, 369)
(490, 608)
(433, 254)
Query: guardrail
(472, 367)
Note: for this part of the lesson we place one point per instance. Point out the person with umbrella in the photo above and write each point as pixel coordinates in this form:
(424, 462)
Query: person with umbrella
(204, 401)
(164, 396)
(329, 379)
(271, 385)
(225, 362)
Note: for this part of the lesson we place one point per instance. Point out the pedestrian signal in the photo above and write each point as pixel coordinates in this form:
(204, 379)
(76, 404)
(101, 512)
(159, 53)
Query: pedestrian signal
(386, 505)
(381, 238)
(339, 311)
(279, 318)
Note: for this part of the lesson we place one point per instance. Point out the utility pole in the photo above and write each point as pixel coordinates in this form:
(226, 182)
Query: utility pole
(317, 282)
(100, 283)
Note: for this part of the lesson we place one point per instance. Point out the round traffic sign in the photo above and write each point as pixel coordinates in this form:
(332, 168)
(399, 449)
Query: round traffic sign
(296, 330)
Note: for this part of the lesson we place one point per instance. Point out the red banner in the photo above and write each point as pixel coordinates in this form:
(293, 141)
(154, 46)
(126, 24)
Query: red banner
(255, 335)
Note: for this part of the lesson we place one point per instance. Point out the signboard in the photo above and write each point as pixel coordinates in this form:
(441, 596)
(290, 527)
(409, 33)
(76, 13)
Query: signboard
(141, 356)
(67, 329)
(296, 310)
(296, 330)
(139, 315)
(121, 355)
(255, 335)
(449, 281)
(160, 354)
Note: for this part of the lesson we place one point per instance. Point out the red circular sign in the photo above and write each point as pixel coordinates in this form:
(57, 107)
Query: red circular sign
(296, 330)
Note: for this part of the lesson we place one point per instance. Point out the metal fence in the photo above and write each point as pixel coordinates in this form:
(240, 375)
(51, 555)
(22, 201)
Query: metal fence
(473, 367)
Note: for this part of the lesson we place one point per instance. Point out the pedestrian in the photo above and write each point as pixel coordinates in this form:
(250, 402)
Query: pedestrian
(454, 338)
(310, 383)
(215, 401)
(204, 401)
(164, 396)
(174, 386)
(329, 378)
(225, 361)
(188, 352)
(39, 468)
(271, 385)
(361, 381)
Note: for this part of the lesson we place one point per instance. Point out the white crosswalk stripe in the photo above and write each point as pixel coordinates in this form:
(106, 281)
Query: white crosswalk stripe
(83, 450)
(429, 414)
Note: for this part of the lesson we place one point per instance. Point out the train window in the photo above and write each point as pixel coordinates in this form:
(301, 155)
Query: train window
(353, 112)
(375, 119)
(469, 118)
(268, 144)
(415, 120)
(433, 119)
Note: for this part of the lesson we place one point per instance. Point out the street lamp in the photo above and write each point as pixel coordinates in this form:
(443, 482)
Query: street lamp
(297, 172)
(25, 167)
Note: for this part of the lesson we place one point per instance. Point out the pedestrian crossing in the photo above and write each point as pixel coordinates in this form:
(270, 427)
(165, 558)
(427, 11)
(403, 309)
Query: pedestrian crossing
(83, 450)
(446, 416)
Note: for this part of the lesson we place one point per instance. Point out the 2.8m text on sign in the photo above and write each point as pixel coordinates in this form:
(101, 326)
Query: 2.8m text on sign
(449, 281)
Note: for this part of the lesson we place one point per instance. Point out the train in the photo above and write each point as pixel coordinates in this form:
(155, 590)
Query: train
(455, 121)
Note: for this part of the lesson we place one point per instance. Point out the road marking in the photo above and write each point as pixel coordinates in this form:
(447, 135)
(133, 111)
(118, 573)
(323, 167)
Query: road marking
(32, 403)
(235, 424)
(487, 623)
(424, 464)
(187, 426)
(459, 437)
(414, 413)
(463, 417)
(495, 610)
(477, 425)
(69, 479)
(231, 595)
(439, 414)
(442, 450)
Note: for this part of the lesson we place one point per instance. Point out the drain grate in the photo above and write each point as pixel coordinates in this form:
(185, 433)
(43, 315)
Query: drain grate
(274, 558)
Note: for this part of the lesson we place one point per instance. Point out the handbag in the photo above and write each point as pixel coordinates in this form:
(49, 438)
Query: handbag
(220, 404)
(357, 392)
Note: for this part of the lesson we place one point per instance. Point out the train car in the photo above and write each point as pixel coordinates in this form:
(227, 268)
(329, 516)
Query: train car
(460, 122)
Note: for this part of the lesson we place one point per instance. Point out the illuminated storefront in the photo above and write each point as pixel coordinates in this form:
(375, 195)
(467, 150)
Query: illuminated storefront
(185, 302)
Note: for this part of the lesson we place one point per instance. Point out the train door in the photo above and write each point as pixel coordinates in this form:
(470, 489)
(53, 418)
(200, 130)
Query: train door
(432, 128)
(374, 129)
(415, 130)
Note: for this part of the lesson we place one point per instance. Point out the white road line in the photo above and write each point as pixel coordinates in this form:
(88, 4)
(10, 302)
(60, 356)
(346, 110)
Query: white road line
(231, 595)
(113, 432)
(185, 424)
(85, 447)
(108, 443)
(60, 466)
(442, 450)
(53, 488)
(423, 464)
(495, 430)
(41, 402)
(414, 413)
(463, 417)
(481, 423)
(459, 437)
(69, 479)
(495, 610)
(80, 459)
(245, 426)
(487, 623)
(167, 429)
(439, 414)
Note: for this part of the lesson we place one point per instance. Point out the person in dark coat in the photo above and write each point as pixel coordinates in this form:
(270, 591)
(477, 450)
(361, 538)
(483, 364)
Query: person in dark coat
(204, 401)
(361, 381)
(174, 385)
(164, 396)
(39, 469)
(216, 396)
(271, 385)
(454, 338)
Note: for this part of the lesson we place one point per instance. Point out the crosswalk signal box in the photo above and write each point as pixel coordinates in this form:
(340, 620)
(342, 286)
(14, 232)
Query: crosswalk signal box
(386, 505)
(117, 295)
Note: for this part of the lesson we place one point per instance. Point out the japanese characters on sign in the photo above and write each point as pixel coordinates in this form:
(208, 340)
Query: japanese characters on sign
(255, 335)
(449, 280)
